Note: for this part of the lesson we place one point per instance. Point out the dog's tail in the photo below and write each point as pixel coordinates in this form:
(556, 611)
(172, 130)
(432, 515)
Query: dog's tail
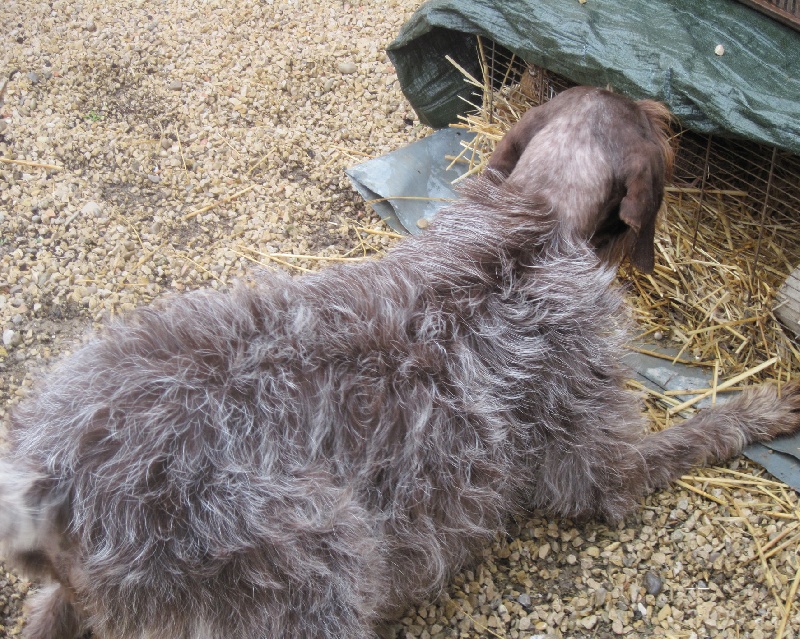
(718, 433)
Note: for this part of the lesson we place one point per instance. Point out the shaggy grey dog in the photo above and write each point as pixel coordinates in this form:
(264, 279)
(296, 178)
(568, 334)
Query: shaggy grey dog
(305, 457)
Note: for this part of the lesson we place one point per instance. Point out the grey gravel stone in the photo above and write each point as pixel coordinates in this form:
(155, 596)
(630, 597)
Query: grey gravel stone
(652, 583)
(600, 596)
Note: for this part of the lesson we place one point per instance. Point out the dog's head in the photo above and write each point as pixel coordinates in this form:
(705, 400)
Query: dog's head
(601, 160)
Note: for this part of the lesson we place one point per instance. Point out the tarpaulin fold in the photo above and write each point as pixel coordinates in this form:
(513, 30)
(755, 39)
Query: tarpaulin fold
(663, 50)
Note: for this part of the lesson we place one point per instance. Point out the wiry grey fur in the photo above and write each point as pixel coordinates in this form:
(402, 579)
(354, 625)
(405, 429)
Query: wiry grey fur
(304, 457)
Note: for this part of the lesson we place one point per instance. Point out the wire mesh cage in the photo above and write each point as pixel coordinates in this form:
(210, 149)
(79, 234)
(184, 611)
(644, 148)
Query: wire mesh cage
(728, 241)
(759, 178)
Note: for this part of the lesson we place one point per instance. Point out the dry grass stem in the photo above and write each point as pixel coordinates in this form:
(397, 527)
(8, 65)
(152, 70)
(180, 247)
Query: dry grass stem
(789, 601)
(702, 493)
(790, 542)
(224, 200)
(768, 576)
(663, 397)
(321, 258)
(409, 197)
(263, 159)
(664, 356)
(180, 150)
(390, 234)
(723, 482)
(477, 624)
(270, 257)
(470, 78)
(731, 382)
(696, 391)
(37, 165)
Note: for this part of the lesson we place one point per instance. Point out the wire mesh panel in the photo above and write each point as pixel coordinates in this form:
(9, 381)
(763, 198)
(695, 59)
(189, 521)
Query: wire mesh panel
(757, 180)
(758, 175)
(729, 239)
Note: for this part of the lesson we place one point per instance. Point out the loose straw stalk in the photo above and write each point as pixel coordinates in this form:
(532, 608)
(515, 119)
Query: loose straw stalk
(37, 165)
(224, 200)
(731, 382)
(788, 607)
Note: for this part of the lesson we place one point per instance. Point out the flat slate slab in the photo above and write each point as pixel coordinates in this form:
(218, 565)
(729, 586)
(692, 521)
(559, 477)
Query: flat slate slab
(418, 171)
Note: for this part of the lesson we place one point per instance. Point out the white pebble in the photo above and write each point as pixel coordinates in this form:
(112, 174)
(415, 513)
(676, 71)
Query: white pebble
(589, 622)
(347, 67)
(91, 208)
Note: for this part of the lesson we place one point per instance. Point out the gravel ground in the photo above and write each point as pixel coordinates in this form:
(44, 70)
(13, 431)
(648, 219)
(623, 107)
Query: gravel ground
(159, 117)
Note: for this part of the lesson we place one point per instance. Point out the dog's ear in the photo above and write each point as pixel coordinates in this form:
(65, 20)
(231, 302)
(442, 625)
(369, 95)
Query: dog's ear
(644, 186)
(646, 172)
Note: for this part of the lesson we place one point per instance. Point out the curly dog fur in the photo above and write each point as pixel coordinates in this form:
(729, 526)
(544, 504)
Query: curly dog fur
(305, 457)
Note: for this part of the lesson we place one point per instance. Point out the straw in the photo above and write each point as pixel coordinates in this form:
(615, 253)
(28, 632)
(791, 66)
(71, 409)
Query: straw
(731, 382)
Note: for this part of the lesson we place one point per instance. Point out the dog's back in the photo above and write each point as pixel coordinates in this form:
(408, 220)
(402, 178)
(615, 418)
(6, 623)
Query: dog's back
(302, 457)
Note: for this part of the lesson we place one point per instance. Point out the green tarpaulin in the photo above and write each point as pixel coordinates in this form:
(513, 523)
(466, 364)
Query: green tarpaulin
(661, 49)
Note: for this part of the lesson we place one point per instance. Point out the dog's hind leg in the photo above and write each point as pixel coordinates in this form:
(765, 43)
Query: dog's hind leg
(51, 615)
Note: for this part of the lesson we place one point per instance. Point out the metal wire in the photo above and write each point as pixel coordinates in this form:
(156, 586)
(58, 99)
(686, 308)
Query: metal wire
(760, 182)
